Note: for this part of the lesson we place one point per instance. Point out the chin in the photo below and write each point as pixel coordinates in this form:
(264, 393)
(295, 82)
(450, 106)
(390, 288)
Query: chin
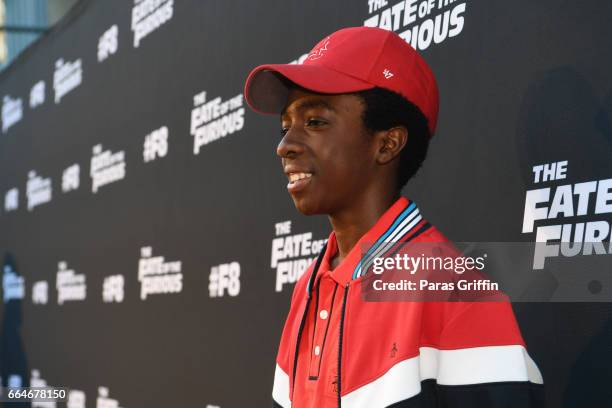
(307, 207)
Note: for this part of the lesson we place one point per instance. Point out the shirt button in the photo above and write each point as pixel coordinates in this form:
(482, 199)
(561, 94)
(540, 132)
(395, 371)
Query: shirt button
(323, 314)
(317, 350)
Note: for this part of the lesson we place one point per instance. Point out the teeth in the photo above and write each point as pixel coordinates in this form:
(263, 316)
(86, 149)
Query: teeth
(293, 177)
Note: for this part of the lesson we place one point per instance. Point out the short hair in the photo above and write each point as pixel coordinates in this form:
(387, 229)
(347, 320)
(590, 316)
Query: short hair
(385, 109)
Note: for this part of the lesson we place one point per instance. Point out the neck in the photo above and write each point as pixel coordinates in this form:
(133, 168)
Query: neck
(351, 223)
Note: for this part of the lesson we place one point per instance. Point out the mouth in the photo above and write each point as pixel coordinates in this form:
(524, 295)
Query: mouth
(298, 181)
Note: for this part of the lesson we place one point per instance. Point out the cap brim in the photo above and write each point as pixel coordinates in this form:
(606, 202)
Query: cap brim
(266, 92)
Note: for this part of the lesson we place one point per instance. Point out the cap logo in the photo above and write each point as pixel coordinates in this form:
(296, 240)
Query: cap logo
(319, 52)
(388, 74)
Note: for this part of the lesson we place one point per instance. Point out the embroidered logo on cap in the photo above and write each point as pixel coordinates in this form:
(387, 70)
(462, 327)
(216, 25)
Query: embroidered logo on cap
(319, 52)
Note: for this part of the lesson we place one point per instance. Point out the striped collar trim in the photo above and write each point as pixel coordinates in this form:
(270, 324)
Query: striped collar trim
(400, 223)
(401, 227)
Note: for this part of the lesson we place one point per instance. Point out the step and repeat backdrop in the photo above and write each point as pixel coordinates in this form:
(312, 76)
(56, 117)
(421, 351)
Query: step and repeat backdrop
(149, 246)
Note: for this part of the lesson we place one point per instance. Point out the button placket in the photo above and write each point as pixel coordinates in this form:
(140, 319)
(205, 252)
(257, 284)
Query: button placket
(327, 289)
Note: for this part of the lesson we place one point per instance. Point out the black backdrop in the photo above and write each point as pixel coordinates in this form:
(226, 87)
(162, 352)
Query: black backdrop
(522, 83)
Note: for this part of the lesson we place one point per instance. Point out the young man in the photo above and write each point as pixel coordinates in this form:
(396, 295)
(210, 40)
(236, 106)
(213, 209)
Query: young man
(356, 119)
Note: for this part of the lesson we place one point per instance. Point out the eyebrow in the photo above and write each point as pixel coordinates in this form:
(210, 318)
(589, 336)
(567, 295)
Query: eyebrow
(309, 104)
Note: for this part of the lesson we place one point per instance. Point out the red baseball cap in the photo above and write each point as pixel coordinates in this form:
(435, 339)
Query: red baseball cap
(349, 60)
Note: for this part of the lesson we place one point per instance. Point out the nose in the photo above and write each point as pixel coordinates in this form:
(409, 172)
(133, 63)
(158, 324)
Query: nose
(290, 145)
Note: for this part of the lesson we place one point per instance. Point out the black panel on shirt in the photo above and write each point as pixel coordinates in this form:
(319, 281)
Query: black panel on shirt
(488, 395)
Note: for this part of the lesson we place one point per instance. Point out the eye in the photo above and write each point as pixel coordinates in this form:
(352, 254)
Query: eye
(315, 122)
(284, 131)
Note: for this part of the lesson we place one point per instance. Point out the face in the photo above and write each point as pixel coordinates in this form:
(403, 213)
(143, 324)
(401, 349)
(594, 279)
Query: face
(326, 152)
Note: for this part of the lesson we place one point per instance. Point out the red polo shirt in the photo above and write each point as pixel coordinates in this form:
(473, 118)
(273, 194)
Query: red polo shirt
(455, 354)
(317, 363)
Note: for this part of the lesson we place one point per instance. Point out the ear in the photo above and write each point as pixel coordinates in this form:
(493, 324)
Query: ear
(390, 143)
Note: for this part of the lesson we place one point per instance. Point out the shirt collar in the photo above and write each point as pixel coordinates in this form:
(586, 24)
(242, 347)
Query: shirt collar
(399, 223)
